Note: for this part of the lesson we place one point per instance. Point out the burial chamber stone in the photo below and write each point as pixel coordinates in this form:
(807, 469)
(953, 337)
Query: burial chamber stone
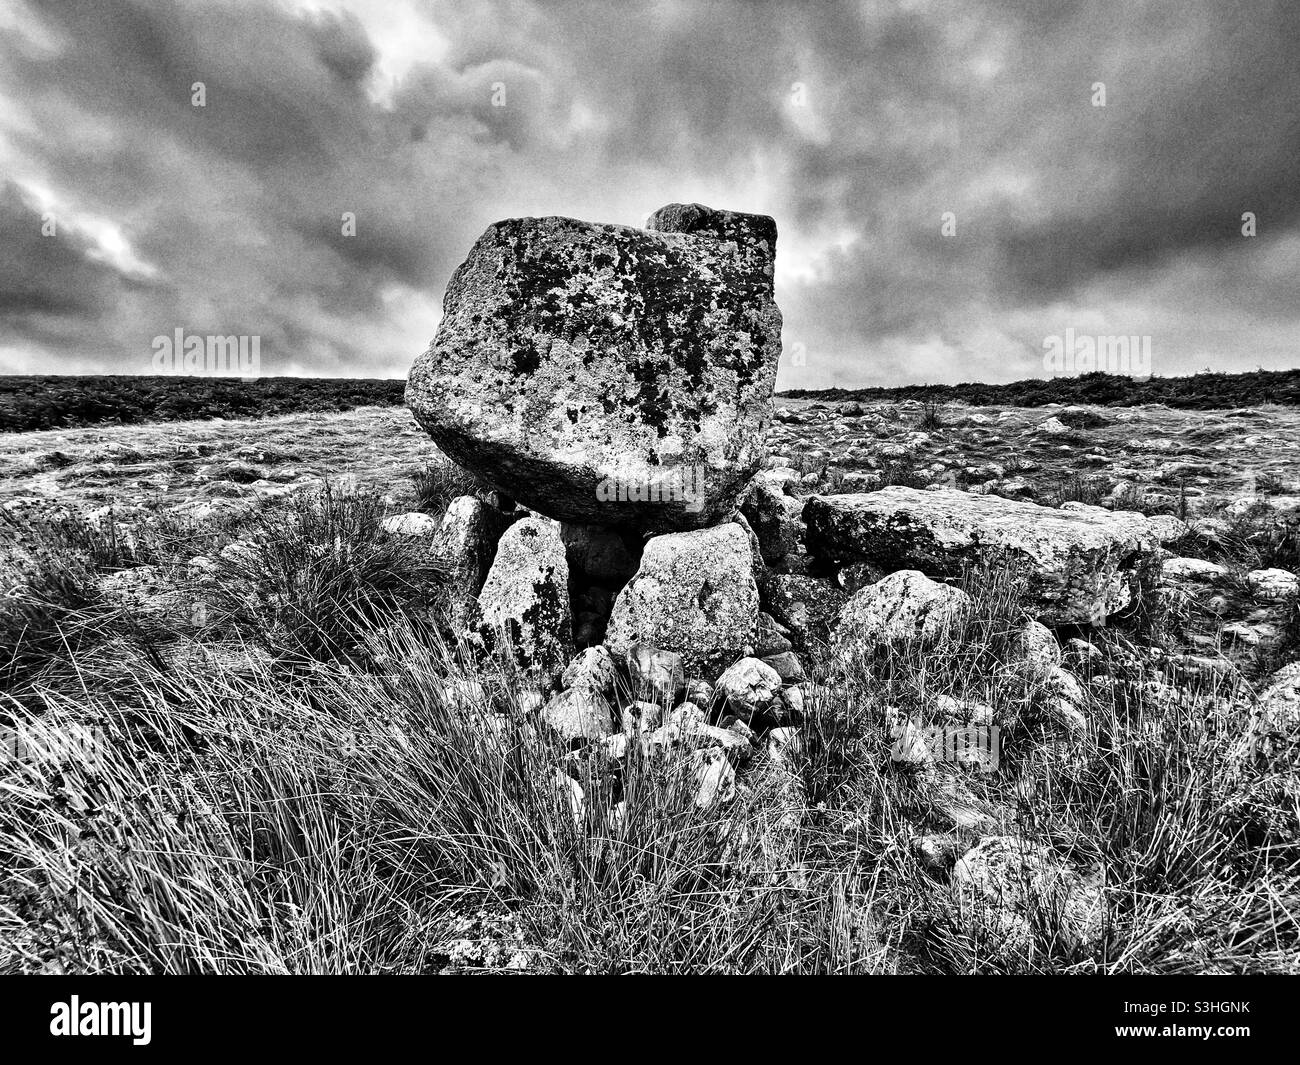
(1078, 565)
(607, 375)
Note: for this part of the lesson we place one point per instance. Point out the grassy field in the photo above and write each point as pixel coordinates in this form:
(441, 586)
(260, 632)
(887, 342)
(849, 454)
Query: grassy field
(1202, 391)
(49, 401)
(36, 402)
(310, 780)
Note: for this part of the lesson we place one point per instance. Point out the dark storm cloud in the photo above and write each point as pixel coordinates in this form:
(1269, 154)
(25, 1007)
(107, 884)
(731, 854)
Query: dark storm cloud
(239, 204)
(47, 273)
(1202, 126)
(856, 124)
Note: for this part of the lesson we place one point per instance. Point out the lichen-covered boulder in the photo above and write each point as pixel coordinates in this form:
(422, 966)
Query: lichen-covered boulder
(608, 375)
(524, 604)
(1078, 565)
(464, 542)
(776, 518)
(694, 593)
(808, 606)
(904, 607)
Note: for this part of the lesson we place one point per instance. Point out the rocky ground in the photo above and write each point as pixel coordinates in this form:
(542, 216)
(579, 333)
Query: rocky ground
(731, 728)
(1232, 476)
(1156, 459)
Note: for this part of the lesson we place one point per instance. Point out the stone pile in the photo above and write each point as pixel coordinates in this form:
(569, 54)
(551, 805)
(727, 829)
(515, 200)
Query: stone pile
(613, 387)
(617, 383)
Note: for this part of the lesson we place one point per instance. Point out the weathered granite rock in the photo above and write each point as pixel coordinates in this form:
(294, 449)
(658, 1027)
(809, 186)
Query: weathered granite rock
(1037, 648)
(762, 575)
(1026, 881)
(465, 542)
(607, 375)
(1275, 718)
(789, 667)
(656, 675)
(748, 687)
(579, 715)
(905, 606)
(775, 517)
(593, 670)
(525, 599)
(1064, 700)
(857, 575)
(412, 524)
(1274, 584)
(807, 606)
(1193, 571)
(770, 637)
(1080, 565)
(715, 780)
(694, 593)
(1168, 529)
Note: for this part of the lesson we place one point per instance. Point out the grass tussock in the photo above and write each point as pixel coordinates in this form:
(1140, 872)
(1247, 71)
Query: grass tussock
(437, 483)
(311, 576)
(931, 417)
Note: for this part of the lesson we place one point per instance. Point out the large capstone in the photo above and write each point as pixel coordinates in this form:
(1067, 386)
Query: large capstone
(608, 375)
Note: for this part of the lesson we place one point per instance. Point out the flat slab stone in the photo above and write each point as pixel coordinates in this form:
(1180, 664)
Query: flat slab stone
(1080, 565)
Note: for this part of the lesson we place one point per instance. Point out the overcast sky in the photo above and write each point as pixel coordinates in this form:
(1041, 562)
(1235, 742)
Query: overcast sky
(856, 125)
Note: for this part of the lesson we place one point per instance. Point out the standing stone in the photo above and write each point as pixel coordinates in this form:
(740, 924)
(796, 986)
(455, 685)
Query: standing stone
(525, 599)
(464, 542)
(694, 593)
(607, 375)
